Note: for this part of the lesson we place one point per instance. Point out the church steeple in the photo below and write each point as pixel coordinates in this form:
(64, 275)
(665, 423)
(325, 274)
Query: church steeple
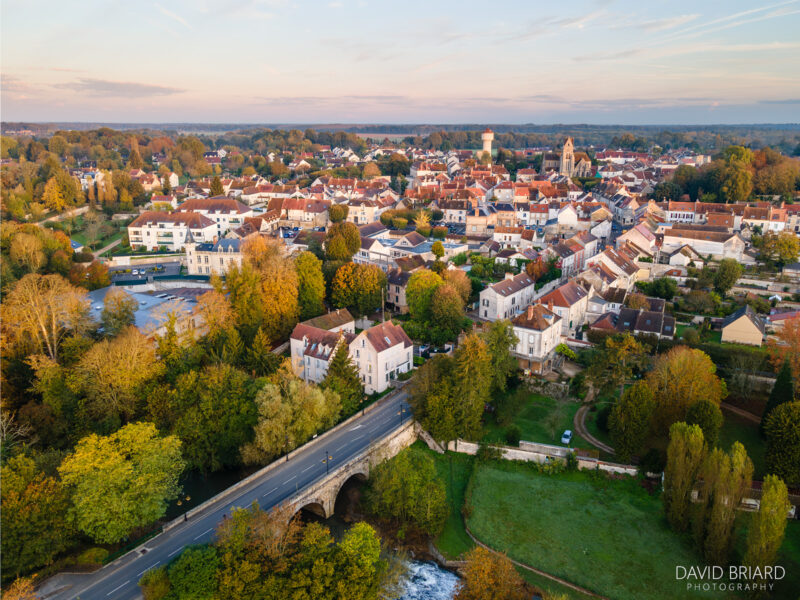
(567, 165)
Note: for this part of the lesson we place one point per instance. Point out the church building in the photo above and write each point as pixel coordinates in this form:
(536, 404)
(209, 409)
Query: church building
(567, 162)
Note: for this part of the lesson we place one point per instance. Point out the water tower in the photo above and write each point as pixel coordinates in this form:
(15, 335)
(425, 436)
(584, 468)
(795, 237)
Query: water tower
(487, 137)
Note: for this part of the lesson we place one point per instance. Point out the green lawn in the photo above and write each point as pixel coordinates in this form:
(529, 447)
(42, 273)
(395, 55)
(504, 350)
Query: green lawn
(606, 535)
(531, 420)
(738, 429)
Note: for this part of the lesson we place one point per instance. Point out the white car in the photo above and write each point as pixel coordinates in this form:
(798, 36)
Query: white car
(566, 437)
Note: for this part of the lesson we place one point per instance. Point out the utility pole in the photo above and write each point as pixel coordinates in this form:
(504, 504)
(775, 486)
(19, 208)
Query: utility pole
(383, 307)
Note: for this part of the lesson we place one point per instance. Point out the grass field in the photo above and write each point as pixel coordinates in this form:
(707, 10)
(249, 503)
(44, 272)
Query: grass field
(531, 419)
(738, 429)
(606, 535)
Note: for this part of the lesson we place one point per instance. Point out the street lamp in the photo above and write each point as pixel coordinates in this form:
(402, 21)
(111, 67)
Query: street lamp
(327, 460)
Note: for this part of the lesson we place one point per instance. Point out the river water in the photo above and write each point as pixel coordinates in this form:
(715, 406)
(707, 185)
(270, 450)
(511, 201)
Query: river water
(428, 581)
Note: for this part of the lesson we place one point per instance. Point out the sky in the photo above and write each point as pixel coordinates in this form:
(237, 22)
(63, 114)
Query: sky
(364, 61)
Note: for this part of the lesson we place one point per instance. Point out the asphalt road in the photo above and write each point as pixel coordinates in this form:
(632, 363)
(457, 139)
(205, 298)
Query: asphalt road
(119, 580)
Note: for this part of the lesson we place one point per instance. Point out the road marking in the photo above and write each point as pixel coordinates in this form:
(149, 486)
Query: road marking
(307, 468)
(148, 568)
(205, 532)
(354, 428)
(269, 492)
(358, 438)
(290, 478)
(118, 587)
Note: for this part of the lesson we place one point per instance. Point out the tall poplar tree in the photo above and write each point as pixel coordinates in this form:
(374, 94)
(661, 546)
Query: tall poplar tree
(684, 459)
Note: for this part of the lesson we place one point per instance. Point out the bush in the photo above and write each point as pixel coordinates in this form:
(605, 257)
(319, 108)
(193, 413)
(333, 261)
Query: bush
(399, 223)
(92, 556)
(602, 418)
(487, 453)
(653, 461)
(439, 232)
(691, 336)
(83, 256)
(513, 435)
(572, 462)
(459, 259)
(155, 584)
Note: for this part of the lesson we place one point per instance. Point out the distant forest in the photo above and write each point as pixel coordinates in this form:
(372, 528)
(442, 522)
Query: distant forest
(705, 138)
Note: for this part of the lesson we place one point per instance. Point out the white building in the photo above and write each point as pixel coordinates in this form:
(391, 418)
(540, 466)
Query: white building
(227, 213)
(155, 229)
(538, 332)
(213, 258)
(505, 299)
(381, 353)
(313, 343)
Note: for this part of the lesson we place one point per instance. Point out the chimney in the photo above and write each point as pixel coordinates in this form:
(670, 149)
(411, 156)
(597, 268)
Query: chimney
(509, 276)
(550, 305)
(530, 312)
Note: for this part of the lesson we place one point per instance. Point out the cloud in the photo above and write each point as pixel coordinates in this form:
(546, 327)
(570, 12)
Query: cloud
(784, 101)
(657, 24)
(103, 87)
(14, 86)
(172, 15)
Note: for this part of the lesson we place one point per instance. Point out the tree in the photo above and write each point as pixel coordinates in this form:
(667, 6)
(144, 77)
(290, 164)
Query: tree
(194, 573)
(621, 354)
(349, 241)
(727, 274)
(370, 170)
(783, 247)
(767, 528)
(358, 288)
(459, 280)
(784, 346)
(310, 285)
(27, 252)
(737, 183)
(122, 481)
(782, 431)
(53, 197)
(489, 576)
(213, 412)
(685, 455)
(629, 420)
(500, 339)
(472, 385)
(782, 391)
(338, 213)
(431, 396)
(135, 160)
(111, 373)
(419, 294)
(216, 311)
(290, 411)
(680, 378)
(119, 310)
(97, 275)
(260, 359)
(43, 310)
(407, 488)
(33, 517)
(216, 187)
(708, 416)
(638, 301)
(724, 479)
(447, 312)
(438, 249)
(343, 378)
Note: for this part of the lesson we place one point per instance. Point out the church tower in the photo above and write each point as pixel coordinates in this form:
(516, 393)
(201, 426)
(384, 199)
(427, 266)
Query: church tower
(567, 166)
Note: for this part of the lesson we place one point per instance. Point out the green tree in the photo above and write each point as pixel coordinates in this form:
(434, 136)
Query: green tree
(290, 411)
(310, 285)
(782, 391)
(216, 187)
(472, 385)
(431, 396)
(708, 416)
(342, 377)
(500, 339)
(33, 518)
(135, 160)
(122, 481)
(767, 528)
(724, 479)
(438, 249)
(783, 247)
(407, 488)
(213, 412)
(338, 212)
(447, 313)
(621, 354)
(685, 455)
(359, 564)
(727, 274)
(629, 420)
(349, 241)
(782, 430)
(419, 294)
(119, 310)
(194, 573)
(358, 288)
(260, 359)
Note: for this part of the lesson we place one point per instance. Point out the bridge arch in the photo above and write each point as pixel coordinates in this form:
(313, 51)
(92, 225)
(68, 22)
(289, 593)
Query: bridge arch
(313, 505)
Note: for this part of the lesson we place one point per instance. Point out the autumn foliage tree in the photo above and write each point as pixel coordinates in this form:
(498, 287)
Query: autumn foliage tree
(358, 288)
(766, 531)
(310, 285)
(489, 576)
(785, 346)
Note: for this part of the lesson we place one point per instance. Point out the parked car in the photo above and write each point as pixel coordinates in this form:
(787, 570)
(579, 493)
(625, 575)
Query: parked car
(566, 437)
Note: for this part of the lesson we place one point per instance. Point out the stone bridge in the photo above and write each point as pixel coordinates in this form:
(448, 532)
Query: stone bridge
(320, 496)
